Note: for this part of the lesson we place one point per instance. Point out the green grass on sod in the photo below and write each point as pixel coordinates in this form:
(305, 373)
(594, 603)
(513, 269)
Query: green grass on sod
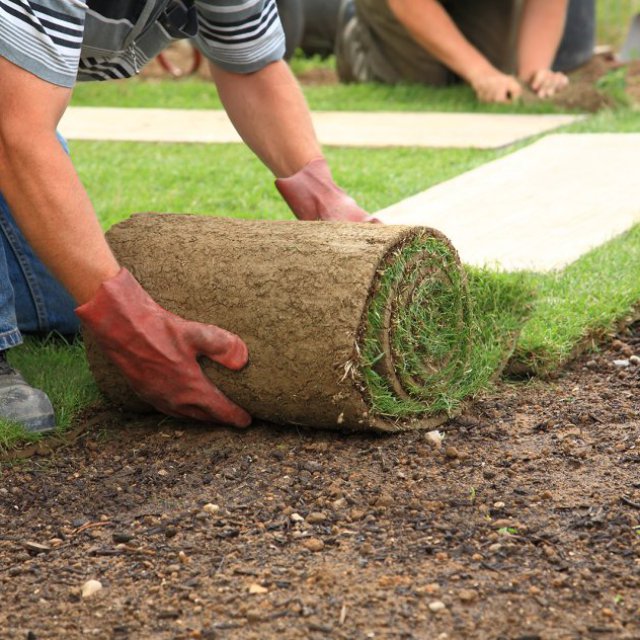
(581, 303)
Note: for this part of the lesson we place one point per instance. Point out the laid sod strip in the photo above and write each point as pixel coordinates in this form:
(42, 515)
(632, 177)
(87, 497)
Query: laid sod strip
(349, 326)
(575, 309)
(195, 93)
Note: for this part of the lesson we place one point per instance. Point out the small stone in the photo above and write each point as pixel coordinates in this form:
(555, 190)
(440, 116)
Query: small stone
(622, 364)
(173, 568)
(591, 364)
(183, 557)
(122, 537)
(499, 505)
(89, 588)
(452, 453)
(257, 589)
(546, 495)
(437, 606)
(634, 360)
(56, 542)
(428, 589)
(211, 508)
(434, 438)
(254, 616)
(505, 523)
(534, 591)
(467, 595)
(313, 544)
(296, 517)
(357, 514)
(385, 500)
(36, 547)
(494, 548)
(316, 517)
(608, 613)
(163, 472)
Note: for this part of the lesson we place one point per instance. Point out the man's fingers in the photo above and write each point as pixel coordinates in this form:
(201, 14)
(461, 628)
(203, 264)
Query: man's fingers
(221, 409)
(218, 345)
(214, 407)
(537, 81)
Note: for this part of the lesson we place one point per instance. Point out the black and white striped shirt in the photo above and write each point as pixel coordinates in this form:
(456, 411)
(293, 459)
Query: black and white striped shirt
(62, 41)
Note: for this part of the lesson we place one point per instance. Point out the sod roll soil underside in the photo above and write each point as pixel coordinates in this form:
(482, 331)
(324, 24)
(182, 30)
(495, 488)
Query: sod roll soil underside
(348, 326)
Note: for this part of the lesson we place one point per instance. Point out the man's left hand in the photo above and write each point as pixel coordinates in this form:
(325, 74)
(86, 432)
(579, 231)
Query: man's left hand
(545, 83)
(312, 194)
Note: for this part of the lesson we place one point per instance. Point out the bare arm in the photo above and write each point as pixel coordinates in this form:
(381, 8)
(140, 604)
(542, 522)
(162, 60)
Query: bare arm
(433, 29)
(541, 28)
(270, 113)
(42, 187)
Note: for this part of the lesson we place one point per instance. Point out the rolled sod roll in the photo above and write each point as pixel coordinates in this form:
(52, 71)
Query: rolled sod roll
(349, 326)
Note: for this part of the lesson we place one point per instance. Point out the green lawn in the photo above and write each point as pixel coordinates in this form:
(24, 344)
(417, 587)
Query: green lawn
(570, 308)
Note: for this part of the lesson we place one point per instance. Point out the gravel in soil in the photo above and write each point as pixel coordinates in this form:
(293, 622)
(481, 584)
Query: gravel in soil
(523, 521)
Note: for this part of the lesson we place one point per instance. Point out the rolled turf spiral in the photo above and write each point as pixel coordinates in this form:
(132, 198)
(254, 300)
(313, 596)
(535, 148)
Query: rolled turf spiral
(348, 326)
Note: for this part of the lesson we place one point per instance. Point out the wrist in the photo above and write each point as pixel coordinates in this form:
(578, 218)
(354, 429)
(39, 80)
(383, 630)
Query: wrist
(307, 189)
(478, 72)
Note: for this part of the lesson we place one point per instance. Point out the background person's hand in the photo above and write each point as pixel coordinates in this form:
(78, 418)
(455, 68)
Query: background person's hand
(157, 352)
(312, 194)
(545, 83)
(496, 86)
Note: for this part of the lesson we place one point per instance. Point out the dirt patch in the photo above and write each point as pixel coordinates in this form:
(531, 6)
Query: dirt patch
(522, 523)
(320, 76)
(600, 84)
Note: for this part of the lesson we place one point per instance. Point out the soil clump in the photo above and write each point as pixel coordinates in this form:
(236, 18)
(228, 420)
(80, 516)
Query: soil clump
(522, 521)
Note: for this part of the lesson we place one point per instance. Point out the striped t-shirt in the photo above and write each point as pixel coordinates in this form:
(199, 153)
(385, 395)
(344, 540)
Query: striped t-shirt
(62, 41)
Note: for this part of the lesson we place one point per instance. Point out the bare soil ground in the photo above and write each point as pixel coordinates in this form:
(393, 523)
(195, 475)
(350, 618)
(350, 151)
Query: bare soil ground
(523, 523)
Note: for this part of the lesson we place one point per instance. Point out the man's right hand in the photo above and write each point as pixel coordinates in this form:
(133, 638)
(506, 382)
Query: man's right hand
(495, 86)
(157, 352)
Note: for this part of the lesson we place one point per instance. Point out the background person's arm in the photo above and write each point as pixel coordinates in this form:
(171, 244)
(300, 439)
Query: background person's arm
(541, 28)
(433, 29)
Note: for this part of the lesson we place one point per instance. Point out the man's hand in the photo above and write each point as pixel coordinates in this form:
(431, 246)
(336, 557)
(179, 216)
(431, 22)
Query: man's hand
(157, 352)
(495, 86)
(312, 194)
(546, 83)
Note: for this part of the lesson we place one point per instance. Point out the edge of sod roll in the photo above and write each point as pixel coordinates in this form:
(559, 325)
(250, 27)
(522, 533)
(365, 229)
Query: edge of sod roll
(432, 334)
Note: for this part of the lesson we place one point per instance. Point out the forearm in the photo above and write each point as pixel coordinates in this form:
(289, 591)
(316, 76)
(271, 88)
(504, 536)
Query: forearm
(42, 188)
(270, 113)
(433, 29)
(54, 212)
(541, 28)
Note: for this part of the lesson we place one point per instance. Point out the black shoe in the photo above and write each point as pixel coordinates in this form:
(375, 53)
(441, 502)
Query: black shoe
(21, 403)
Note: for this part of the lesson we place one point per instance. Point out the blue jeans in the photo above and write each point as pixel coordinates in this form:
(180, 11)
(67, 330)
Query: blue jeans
(31, 299)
